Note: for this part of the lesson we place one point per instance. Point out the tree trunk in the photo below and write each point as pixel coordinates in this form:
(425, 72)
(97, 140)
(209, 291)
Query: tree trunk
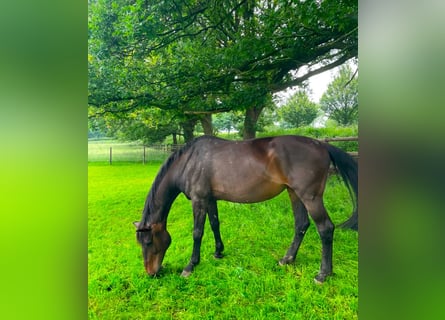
(250, 121)
(206, 122)
(189, 126)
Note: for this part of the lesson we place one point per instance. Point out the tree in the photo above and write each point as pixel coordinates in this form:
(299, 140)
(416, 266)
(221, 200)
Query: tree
(340, 101)
(227, 121)
(151, 125)
(298, 111)
(205, 57)
(97, 128)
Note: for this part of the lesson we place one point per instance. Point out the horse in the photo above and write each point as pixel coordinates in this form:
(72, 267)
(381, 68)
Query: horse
(209, 169)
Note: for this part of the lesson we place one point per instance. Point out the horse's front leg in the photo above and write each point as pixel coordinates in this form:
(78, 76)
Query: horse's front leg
(199, 215)
(214, 223)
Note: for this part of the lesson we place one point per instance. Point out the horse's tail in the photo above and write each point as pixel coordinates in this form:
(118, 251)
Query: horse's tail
(348, 169)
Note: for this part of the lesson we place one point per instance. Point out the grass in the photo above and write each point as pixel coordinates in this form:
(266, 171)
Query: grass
(246, 284)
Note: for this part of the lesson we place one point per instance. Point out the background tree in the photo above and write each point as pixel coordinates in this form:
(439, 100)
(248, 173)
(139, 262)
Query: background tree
(228, 121)
(340, 101)
(298, 111)
(149, 126)
(97, 128)
(205, 57)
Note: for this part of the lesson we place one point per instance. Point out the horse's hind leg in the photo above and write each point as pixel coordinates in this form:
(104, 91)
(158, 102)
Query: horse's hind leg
(325, 229)
(214, 223)
(301, 220)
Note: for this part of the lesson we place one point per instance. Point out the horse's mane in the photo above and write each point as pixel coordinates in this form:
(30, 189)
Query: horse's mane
(149, 202)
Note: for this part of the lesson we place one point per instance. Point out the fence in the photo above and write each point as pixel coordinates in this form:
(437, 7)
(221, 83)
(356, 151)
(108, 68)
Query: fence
(354, 154)
(112, 151)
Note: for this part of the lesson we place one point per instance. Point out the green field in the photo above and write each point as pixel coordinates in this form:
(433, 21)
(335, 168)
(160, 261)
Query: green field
(246, 284)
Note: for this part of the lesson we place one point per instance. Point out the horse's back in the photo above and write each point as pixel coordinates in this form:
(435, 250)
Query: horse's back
(252, 170)
(303, 150)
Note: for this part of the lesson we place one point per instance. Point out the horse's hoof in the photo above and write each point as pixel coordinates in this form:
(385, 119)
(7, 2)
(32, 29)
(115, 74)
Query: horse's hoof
(185, 273)
(218, 255)
(286, 260)
(320, 278)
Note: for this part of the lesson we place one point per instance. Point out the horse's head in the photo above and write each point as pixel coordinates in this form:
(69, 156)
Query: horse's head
(155, 241)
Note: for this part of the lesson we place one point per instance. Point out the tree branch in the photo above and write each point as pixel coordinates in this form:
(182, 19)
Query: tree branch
(279, 87)
(197, 112)
(352, 78)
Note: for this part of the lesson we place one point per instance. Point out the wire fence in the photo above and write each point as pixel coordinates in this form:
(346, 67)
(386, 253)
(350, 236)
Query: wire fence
(111, 151)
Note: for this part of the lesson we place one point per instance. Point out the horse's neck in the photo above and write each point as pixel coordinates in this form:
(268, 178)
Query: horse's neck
(159, 202)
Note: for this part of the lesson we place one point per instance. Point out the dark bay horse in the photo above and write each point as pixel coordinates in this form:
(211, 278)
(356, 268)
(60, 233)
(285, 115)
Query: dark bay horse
(210, 169)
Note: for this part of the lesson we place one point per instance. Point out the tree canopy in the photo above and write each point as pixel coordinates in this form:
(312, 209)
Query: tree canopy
(298, 111)
(197, 57)
(340, 101)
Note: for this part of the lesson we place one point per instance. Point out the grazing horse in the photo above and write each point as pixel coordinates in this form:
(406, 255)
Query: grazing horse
(209, 169)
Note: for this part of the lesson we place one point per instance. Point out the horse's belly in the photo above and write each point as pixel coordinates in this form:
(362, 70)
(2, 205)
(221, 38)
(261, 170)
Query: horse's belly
(248, 193)
(246, 179)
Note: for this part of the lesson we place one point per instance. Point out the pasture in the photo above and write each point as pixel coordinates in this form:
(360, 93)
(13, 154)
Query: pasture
(247, 283)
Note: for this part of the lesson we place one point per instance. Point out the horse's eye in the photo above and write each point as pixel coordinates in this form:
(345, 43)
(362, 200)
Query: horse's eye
(145, 237)
(147, 242)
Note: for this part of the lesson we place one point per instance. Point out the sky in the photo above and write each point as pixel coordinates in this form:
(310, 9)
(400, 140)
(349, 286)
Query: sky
(317, 84)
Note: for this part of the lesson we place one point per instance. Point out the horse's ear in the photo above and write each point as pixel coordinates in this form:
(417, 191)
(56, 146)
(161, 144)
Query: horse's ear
(140, 227)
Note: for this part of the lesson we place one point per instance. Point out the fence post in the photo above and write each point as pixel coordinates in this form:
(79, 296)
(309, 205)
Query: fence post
(144, 156)
(111, 152)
